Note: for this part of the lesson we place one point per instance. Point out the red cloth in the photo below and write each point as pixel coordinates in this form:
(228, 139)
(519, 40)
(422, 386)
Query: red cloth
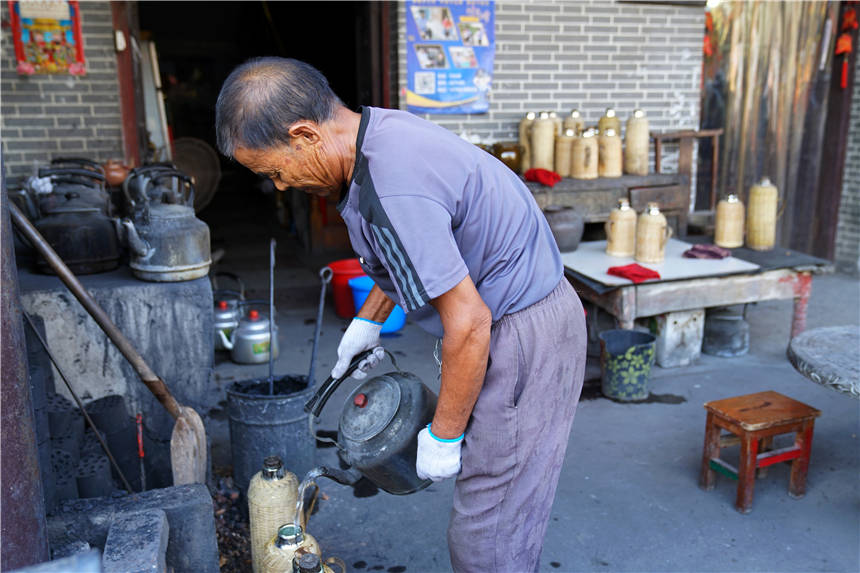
(707, 252)
(634, 272)
(542, 176)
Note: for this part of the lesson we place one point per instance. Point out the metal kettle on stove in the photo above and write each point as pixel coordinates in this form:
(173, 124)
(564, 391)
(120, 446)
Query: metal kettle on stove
(168, 243)
(379, 425)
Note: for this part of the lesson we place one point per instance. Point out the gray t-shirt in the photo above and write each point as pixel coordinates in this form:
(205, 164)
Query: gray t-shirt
(425, 208)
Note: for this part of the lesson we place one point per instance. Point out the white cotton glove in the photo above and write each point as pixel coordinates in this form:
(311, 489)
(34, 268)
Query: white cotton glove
(437, 459)
(361, 335)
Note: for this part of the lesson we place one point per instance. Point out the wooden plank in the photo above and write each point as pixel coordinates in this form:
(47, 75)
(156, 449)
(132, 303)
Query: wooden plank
(657, 298)
(776, 456)
(594, 206)
(568, 184)
(724, 468)
(669, 197)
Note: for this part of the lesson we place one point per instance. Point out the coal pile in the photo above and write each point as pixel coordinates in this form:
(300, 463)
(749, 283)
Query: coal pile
(231, 528)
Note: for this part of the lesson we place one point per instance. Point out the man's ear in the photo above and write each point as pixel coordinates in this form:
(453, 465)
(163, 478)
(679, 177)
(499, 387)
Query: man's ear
(307, 131)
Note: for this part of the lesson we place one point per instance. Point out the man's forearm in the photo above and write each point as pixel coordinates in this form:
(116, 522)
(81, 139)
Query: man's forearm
(377, 306)
(464, 365)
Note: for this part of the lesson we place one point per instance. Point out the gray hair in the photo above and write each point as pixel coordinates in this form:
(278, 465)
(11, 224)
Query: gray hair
(263, 97)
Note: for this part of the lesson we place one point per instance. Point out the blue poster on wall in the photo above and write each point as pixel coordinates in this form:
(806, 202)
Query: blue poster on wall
(449, 55)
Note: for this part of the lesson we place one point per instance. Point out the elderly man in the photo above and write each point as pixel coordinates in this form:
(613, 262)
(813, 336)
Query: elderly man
(454, 236)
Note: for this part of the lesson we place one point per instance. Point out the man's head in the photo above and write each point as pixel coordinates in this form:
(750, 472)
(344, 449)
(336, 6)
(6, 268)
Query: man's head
(270, 116)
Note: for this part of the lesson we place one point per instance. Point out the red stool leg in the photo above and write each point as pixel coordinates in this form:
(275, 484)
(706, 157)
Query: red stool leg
(800, 465)
(707, 477)
(746, 473)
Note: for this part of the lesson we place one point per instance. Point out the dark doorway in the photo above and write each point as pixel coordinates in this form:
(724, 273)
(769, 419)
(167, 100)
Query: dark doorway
(199, 43)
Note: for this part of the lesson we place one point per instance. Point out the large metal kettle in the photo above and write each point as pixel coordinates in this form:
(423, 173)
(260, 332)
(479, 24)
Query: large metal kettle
(74, 217)
(249, 343)
(168, 243)
(379, 425)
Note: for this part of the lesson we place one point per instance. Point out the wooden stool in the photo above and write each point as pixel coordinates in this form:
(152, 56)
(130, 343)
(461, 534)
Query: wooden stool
(752, 419)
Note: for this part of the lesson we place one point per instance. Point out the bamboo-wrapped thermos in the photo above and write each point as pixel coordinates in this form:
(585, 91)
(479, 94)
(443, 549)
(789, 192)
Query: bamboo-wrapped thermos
(525, 141)
(543, 142)
(636, 140)
(761, 215)
(575, 122)
(609, 121)
(558, 122)
(652, 232)
(621, 230)
(564, 152)
(729, 232)
(584, 160)
(609, 153)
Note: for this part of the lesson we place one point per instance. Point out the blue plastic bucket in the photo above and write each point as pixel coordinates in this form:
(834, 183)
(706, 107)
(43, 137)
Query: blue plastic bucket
(361, 288)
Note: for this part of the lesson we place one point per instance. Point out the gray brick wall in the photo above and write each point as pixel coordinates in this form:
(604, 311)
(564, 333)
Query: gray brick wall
(587, 54)
(49, 116)
(848, 229)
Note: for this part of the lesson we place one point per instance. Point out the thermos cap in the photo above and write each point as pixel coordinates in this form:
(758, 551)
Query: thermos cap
(544, 115)
(732, 198)
(610, 112)
(588, 132)
(609, 132)
(530, 115)
(638, 113)
(273, 468)
(575, 113)
(765, 182)
(289, 534)
(623, 204)
(569, 133)
(653, 208)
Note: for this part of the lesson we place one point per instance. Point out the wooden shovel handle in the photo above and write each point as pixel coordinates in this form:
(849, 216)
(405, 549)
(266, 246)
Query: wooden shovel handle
(155, 384)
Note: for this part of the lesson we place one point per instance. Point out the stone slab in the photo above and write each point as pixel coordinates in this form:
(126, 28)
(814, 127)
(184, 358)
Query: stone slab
(89, 562)
(137, 543)
(191, 548)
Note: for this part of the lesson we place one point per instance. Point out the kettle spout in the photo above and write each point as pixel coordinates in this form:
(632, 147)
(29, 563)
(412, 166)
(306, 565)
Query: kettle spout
(139, 246)
(228, 343)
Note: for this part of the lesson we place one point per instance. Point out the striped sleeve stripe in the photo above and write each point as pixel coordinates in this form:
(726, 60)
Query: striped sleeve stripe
(403, 272)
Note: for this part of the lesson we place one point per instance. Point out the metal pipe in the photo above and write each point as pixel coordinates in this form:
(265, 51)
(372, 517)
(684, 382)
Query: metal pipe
(78, 402)
(23, 528)
(155, 384)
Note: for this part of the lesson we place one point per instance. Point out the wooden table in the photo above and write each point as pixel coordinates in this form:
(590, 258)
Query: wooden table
(829, 356)
(782, 274)
(594, 199)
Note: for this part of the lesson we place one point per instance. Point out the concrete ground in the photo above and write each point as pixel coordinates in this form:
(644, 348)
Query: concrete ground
(628, 498)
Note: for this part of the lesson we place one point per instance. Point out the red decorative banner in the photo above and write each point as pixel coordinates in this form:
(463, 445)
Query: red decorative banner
(47, 37)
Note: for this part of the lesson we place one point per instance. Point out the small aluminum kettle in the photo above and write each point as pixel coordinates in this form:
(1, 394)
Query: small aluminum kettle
(249, 342)
(379, 425)
(228, 307)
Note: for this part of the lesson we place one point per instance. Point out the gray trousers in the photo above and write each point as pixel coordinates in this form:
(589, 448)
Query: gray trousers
(517, 436)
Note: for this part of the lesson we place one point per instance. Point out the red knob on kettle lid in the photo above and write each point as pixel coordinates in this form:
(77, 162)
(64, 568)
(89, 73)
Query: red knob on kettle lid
(222, 304)
(254, 315)
(360, 400)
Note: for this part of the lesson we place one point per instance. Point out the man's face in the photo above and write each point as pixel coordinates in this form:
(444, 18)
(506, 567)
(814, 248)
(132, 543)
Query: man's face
(299, 164)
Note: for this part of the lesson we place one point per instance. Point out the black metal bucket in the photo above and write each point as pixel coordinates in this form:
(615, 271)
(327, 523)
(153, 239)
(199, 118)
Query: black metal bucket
(263, 425)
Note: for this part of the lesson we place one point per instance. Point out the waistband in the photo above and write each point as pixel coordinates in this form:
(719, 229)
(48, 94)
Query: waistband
(562, 291)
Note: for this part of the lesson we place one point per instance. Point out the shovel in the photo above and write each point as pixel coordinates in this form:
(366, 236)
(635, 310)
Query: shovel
(188, 440)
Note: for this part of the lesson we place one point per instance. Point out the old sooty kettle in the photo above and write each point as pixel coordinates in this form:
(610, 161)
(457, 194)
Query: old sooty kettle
(379, 425)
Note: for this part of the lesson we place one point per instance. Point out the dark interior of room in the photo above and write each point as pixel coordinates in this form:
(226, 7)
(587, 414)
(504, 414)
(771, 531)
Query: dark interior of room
(199, 44)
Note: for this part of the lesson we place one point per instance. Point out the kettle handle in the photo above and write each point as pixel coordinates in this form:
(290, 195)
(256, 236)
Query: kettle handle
(315, 405)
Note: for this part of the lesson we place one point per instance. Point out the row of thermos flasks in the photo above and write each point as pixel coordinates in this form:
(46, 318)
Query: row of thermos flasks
(90, 212)
(569, 148)
(644, 236)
